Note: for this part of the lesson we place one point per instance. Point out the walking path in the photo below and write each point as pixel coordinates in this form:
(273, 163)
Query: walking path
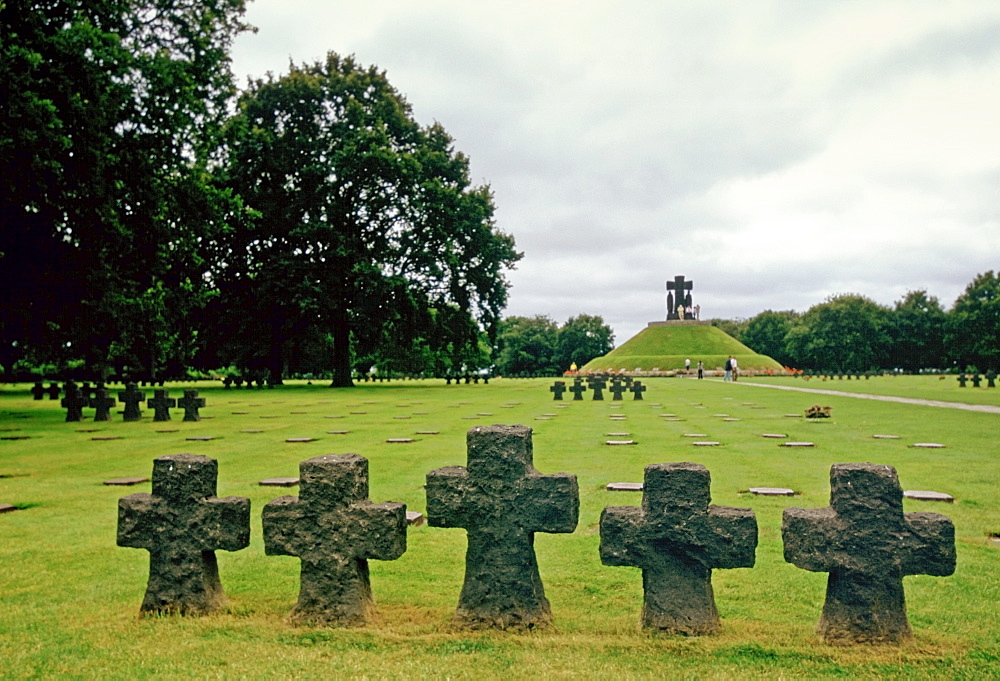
(987, 408)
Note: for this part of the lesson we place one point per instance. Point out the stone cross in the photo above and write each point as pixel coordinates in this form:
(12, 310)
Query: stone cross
(38, 391)
(161, 404)
(617, 389)
(867, 544)
(501, 501)
(597, 386)
(578, 389)
(637, 390)
(557, 389)
(680, 286)
(53, 391)
(182, 524)
(102, 404)
(677, 538)
(74, 402)
(976, 379)
(190, 403)
(962, 378)
(132, 397)
(334, 530)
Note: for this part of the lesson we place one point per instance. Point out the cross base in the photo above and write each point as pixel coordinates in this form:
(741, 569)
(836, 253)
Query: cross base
(678, 599)
(188, 586)
(862, 608)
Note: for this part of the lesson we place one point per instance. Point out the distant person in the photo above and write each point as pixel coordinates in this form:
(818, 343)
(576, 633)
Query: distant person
(736, 369)
(687, 366)
(701, 370)
(729, 369)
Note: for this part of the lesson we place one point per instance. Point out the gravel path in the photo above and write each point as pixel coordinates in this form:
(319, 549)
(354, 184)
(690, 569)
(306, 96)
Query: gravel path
(986, 408)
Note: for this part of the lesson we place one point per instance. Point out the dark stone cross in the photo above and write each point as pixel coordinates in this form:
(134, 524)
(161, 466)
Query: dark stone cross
(501, 501)
(182, 524)
(132, 397)
(191, 403)
(102, 404)
(617, 389)
(161, 404)
(680, 286)
(867, 544)
(597, 386)
(334, 530)
(962, 378)
(976, 379)
(637, 390)
(38, 391)
(991, 377)
(74, 402)
(53, 391)
(557, 389)
(677, 538)
(578, 388)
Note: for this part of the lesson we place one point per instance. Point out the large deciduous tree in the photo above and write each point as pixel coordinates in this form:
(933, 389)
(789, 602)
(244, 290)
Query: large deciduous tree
(111, 109)
(581, 339)
(367, 228)
(973, 329)
(844, 333)
(766, 334)
(917, 327)
(528, 345)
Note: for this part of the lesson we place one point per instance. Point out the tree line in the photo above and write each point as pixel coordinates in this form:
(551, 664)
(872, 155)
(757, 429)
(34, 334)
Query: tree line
(854, 333)
(156, 218)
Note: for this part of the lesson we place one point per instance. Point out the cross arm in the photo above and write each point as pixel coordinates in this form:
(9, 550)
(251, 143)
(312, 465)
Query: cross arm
(733, 536)
(448, 497)
(224, 523)
(810, 536)
(285, 523)
(379, 530)
(549, 503)
(620, 529)
(931, 545)
(142, 521)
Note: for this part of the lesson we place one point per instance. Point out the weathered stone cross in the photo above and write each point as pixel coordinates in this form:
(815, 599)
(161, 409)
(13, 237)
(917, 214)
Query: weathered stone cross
(102, 404)
(501, 500)
(680, 286)
(617, 389)
(637, 390)
(74, 402)
(597, 386)
(182, 524)
(867, 544)
(578, 389)
(132, 397)
(161, 404)
(190, 403)
(334, 530)
(557, 389)
(677, 538)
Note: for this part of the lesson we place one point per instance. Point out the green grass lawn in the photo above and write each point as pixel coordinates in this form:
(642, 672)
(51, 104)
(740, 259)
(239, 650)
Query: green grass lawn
(70, 597)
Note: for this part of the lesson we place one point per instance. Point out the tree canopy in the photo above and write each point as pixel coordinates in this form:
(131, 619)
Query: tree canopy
(367, 227)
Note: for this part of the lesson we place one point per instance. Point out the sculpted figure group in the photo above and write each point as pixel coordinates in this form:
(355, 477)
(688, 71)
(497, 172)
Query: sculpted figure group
(677, 537)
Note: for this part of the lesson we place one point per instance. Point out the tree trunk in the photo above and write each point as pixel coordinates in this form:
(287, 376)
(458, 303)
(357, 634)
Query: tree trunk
(341, 350)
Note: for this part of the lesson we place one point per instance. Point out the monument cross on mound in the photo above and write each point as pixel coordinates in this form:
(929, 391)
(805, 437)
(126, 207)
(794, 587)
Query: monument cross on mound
(683, 297)
(501, 501)
(867, 544)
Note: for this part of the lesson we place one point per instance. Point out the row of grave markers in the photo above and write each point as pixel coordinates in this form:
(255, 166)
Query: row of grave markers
(161, 403)
(597, 385)
(863, 539)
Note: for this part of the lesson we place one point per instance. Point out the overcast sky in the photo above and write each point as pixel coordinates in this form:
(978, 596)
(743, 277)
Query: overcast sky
(775, 153)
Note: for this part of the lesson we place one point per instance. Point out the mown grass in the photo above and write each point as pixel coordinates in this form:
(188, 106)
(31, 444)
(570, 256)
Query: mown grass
(69, 605)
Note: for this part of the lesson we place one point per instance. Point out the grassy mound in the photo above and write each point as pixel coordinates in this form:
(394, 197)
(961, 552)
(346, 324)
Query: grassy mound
(666, 348)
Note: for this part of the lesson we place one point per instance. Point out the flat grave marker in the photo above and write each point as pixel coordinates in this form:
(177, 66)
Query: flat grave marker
(705, 443)
(399, 440)
(928, 495)
(126, 482)
(773, 491)
(879, 436)
(928, 445)
(7, 508)
(797, 444)
(615, 443)
(279, 482)
(624, 486)
(775, 436)
(300, 439)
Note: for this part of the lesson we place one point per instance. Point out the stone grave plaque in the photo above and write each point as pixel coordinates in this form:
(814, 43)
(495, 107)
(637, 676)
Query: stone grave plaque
(927, 495)
(620, 442)
(400, 418)
(928, 445)
(867, 545)
(300, 439)
(705, 443)
(7, 508)
(334, 529)
(501, 501)
(730, 419)
(543, 418)
(618, 434)
(126, 482)
(279, 482)
(773, 491)
(414, 518)
(775, 436)
(168, 430)
(252, 430)
(334, 416)
(200, 438)
(797, 444)
(428, 432)
(337, 432)
(885, 437)
(677, 537)
(182, 524)
(399, 440)
(624, 487)
(694, 435)
(107, 437)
